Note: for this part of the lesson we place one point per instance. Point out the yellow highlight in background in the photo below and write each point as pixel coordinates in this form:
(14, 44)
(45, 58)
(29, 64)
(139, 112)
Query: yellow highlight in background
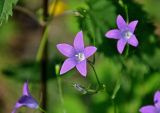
(60, 7)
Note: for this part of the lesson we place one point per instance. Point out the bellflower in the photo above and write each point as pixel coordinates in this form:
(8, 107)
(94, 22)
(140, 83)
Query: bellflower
(152, 108)
(26, 99)
(77, 55)
(124, 34)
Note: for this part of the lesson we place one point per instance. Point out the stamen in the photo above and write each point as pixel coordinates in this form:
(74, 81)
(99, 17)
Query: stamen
(127, 34)
(80, 56)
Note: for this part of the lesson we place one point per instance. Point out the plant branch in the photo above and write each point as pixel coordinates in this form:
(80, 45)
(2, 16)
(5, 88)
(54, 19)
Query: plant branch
(44, 58)
(59, 83)
(27, 12)
(95, 73)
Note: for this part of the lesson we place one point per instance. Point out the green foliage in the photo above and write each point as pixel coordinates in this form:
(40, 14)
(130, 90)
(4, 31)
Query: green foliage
(130, 81)
(6, 7)
(96, 19)
(122, 76)
(21, 71)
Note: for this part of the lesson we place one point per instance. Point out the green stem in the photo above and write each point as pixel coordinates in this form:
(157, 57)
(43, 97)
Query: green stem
(42, 110)
(95, 73)
(114, 105)
(45, 36)
(27, 12)
(42, 45)
(126, 11)
(60, 92)
(94, 56)
(127, 21)
(44, 56)
(127, 51)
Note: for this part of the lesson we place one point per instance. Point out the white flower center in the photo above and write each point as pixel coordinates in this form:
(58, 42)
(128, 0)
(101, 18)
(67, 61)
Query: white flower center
(127, 34)
(80, 56)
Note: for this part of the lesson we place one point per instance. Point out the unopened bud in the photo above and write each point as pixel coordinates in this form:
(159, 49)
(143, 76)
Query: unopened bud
(78, 14)
(57, 68)
(79, 88)
(121, 3)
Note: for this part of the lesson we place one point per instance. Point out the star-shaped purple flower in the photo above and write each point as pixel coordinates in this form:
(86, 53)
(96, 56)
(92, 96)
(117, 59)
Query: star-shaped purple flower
(124, 34)
(26, 99)
(152, 108)
(77, 55)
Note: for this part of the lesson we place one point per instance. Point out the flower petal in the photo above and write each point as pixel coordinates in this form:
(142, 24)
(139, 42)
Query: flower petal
(18, 105)
(26, 89)
(132, 25)
(115, 34)
(121, 22)
(89, 51)
(14, 110)
(78, 41)
(148, 109)
(157, 99)
(68, 65)
(66, 49)
(28, 101)
(82, 68)
(133, 41)
(120, 45)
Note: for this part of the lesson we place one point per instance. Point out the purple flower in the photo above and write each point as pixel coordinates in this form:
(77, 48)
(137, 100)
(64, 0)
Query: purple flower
(26, 99)
(152, 108)
(124, 34)
(77, 55)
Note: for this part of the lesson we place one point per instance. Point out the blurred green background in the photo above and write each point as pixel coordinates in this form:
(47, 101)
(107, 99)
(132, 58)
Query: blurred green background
(138, 74)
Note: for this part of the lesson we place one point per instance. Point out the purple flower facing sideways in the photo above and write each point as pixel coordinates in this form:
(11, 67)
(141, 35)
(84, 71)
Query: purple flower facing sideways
(152, 108)
(77, 55)
(124, 34)
(26, 99)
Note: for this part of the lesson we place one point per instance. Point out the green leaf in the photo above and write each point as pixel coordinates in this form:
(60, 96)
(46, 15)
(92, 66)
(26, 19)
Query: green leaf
(6, 7)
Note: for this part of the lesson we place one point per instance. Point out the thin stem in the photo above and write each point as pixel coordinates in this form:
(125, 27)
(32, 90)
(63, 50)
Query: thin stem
(114, 105)
(27, 12)
(127, 21)
(42, 54)
(44, 57)
(42, 45)
(45, 10)
(94, 59)
(127, 51)
(42, 110)
(60, 92)
(95, 73)
(44, 67)
(94, 56)
(126, 11)
(45, 34)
